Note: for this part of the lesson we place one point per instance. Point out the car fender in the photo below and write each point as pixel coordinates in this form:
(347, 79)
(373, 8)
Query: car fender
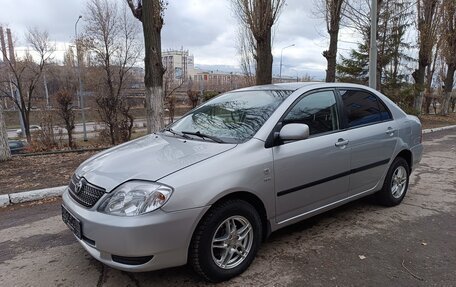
(210, 180)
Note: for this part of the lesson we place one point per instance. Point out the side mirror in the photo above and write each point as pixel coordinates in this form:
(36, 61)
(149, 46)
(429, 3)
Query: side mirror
(294, 132)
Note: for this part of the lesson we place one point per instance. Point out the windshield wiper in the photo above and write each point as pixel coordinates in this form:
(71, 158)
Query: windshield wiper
(203, 136)
(176, 133)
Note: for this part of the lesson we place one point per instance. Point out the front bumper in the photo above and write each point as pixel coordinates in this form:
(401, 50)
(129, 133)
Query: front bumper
(164, 235)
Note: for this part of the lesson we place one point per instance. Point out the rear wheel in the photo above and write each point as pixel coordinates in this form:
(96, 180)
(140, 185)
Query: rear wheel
(226, 240)
(396, 183)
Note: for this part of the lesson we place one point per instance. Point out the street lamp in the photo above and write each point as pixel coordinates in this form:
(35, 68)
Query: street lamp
(80, 80)
(281, 54)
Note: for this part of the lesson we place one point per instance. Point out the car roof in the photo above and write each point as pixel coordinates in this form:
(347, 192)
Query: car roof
(282, 86)
(397, 111)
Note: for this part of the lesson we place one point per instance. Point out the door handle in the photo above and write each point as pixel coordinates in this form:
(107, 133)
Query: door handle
(390, 131)
(341, 142)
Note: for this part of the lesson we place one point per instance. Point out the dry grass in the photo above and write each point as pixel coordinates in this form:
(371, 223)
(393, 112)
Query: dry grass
(434, 121)
(35, 172)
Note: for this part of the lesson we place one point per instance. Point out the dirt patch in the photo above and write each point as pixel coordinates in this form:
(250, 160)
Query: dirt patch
(35, 172)
(435, 121)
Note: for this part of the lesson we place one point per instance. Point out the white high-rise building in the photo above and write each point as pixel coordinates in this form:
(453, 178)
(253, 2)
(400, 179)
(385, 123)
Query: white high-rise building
(178, 64)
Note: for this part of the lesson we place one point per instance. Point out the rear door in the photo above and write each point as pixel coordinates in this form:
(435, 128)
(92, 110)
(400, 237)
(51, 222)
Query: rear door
(311, 173)
(372, 136)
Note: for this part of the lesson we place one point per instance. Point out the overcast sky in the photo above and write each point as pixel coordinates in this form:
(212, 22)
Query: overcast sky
(207, 28)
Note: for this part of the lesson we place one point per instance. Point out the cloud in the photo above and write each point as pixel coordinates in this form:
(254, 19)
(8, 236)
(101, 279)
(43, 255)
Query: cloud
(299, 19)
(194, 23)
(56, 16)
(206, 28)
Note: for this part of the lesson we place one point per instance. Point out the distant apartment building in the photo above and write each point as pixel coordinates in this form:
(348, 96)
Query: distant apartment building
(178, 64)
(180, 67)
(217, 80)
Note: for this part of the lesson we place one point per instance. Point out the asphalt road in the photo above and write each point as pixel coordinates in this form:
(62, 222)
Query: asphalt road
(359, 244)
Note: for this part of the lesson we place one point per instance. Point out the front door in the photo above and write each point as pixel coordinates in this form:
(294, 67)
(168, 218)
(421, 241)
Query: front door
(313, 172)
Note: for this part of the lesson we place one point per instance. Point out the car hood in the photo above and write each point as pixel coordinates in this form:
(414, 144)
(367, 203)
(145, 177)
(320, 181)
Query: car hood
(148, 158)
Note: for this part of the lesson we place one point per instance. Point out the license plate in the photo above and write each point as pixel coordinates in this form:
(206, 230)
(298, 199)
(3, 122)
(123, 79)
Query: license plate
(72, 222)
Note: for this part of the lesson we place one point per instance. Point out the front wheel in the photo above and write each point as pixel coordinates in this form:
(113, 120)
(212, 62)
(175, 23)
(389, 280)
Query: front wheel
(226, 240)
(396, 183)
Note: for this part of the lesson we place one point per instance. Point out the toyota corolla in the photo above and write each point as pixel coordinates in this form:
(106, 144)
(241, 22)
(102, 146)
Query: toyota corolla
(209, 188)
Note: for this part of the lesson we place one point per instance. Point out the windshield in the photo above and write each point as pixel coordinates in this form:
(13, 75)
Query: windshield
(233, 117)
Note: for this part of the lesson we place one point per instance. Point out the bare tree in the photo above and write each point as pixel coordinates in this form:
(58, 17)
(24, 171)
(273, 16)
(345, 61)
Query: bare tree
(25, 73)
(246, 51)
(65, 110)
(448, 51)
(150, 13)
(193, 97)
(429, 79)
(333, 11)
(5, 153)
(258, 16)
(113, 44)
(170, 86)
(427, 25)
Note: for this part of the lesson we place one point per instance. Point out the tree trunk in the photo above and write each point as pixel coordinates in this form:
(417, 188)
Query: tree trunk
(70, 138)
(25, 117)
(112, 134)
(418, 76)
(5, 153)
(331, 56)
(24, 114)
(153, 79)
(427, 104)
(449, 80)
(264, 59)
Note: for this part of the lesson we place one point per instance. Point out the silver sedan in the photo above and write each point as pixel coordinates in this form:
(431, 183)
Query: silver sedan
(208, 189)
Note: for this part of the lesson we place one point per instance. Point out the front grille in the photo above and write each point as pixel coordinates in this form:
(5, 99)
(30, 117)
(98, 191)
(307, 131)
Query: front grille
(87, 194)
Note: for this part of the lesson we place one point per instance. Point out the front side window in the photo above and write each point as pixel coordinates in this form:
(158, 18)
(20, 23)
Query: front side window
(233, 117)
(317, 110)
(363, 108)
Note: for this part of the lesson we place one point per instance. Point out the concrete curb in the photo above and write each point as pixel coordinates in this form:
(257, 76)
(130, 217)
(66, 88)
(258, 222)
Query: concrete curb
(4, 200)
(26, 196)
(427, 131)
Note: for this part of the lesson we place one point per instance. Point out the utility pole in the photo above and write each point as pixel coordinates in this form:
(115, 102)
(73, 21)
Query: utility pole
(373, 47)
(81, 95)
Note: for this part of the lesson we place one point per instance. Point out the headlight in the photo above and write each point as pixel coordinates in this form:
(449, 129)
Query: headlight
(135, 198)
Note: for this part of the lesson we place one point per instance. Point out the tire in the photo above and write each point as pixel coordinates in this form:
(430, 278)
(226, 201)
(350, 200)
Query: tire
(396, 183)
(235, 215)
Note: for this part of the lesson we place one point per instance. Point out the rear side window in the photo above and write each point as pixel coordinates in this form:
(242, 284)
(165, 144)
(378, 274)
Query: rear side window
(317, 110)
(363, 108)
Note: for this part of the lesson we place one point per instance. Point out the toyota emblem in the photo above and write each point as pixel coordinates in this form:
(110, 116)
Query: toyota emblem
(79, 186)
